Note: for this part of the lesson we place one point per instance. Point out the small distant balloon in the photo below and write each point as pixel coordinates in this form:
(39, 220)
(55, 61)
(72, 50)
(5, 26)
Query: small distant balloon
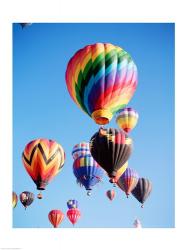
(137, 223)
(14, 199)
(73, 215)
(110, 194)
(26, 198)
(56, 217)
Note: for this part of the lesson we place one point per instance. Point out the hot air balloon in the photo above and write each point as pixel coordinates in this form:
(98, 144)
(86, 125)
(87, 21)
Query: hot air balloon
(137, 224)
(26, 198)
(111, 148)
(72, 204)
(40, 196)
(23, 25)
(110, 194)
(127, 119)
(55, 217)
(43, 159)
(142, 190)
(73, 215)
(128, 181)
(14, 199)
(101, 79)
(80, 149)
(87, 171)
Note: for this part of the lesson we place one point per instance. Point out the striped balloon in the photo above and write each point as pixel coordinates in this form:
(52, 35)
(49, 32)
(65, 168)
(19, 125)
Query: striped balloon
(14, 199)
(128, 180)
(43, 159)
(119, 173)
(73, 215)
(87, 171)
(55, 217)
(127, 119)
(101, 79)
(80, 149)
(26, 198)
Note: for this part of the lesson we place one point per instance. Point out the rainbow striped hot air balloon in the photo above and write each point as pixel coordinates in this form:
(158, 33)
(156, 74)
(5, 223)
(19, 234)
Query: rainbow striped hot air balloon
(101, 79)
(14, 199)
(43, 159)
(127, 119)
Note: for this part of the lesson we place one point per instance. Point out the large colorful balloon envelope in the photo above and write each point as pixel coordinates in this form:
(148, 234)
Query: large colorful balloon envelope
(101, 79)
(26, 198)
(14, 199)
(110, 194)
(88, 172)
(56, 217)
(127, 119)
(72, 204)
(43, 159)
(128, 181)
(142, 190)
(80, 149)
(111, 148)
(73, 215)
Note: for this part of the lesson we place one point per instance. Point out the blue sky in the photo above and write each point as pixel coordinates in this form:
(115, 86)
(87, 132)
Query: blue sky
(42, 107)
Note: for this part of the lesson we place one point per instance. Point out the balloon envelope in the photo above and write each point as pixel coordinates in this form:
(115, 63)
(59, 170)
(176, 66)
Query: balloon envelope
(72, 204)
(26, 198)
(56, 217)
(43, 159)
(128, 180)
(87, 171)
(110, 194)
(111, 148)
(101, 79)
(142, 190)
(14, 199)
(127, 119)
(80, 149)
(73, 215)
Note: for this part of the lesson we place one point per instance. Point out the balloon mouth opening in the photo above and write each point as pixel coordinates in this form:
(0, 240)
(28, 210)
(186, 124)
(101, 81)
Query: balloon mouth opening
(41, 185)
(127, 130)
(102, 116)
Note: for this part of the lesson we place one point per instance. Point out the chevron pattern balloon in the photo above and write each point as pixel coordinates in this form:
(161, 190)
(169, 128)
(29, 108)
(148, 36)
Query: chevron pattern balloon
(43, 159)
(101, 79)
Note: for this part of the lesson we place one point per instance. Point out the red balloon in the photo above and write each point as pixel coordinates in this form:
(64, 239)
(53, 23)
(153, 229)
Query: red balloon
(73, 215)
(55, 217)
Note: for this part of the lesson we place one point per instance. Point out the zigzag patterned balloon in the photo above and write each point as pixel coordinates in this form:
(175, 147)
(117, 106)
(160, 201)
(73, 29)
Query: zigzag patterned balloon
(101, 79)
(43, 159)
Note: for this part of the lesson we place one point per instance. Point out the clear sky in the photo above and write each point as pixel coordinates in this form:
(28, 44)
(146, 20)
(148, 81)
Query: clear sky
(43, 108)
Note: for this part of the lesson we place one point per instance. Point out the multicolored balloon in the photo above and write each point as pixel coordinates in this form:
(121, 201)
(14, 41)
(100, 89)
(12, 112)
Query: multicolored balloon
(127, 119)
(72, 204)
(73, 215)
(26, 198)
(111, 148)
(87, 171)
(80, 149)
(43, 159)
(14, 199)
(110, 194)
(142, 190)
(128, 181)
(101, 79)
(56, 217)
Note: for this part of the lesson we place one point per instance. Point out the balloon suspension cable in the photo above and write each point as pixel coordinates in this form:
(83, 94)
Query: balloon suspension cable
(102, 127)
